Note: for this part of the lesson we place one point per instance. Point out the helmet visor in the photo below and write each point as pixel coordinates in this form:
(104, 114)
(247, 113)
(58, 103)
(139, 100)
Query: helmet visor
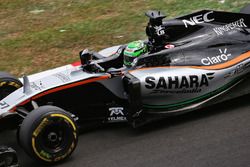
(128, 60)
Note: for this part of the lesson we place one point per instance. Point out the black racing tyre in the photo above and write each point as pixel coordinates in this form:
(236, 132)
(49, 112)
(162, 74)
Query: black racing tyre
(48, 134)
(8, 84)
(246, 9)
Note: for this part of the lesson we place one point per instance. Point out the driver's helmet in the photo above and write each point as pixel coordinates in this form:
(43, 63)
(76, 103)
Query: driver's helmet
(133, 50)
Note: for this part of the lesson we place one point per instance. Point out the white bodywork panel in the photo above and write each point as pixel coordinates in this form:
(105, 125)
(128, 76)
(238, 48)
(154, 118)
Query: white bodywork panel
(44, 81)
(49, 79)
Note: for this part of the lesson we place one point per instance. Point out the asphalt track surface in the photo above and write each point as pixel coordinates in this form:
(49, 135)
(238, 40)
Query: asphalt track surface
(216, 136)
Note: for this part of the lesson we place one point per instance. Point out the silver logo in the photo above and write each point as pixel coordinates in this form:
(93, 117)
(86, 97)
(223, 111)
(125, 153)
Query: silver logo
(114, 111)
(202, 18)
(224, 55)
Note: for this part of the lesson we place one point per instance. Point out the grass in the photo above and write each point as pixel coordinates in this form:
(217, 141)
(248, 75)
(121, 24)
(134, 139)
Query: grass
(37, 35)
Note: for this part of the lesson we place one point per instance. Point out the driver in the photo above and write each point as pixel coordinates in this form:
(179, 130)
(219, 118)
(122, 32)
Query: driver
(133, 50)
(157, 38)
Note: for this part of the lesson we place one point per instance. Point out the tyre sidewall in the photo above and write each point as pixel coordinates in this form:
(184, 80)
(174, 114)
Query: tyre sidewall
(35, 123)
(9, 82)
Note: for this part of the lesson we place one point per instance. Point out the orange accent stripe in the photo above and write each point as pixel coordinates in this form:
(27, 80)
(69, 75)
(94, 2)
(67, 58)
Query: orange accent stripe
(65, 87)
(13, 109)
(212, 67)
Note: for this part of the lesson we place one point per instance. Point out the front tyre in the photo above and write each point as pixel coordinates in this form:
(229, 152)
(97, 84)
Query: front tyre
(8, 84)
(48, 134)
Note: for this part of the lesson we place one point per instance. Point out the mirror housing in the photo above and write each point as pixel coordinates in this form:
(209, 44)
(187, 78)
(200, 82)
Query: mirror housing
(85, 57)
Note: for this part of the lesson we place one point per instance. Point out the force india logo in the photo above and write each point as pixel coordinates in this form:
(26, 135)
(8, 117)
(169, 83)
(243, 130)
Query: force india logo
(178, 84)
(216, 59)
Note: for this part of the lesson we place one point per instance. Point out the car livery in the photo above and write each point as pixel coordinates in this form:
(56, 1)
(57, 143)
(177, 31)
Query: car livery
(205, 61)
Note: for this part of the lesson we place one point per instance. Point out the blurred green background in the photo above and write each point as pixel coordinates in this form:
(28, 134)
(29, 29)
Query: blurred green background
(37, 35)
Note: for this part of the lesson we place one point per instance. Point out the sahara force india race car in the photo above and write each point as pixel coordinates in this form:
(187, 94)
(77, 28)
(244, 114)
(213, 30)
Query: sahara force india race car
(206, 61)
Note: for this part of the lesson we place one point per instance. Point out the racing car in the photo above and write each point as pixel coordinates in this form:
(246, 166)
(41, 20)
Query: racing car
(205, 59)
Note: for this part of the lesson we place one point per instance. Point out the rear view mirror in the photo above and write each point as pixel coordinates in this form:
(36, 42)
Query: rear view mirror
(85, 57)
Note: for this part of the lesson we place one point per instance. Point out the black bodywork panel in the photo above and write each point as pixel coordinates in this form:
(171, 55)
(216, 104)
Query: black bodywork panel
(201, 40)
(195, 37)
(89, 102)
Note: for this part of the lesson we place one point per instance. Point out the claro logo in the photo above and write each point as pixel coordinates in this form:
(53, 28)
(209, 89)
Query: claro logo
(202, 18)
(216, 59)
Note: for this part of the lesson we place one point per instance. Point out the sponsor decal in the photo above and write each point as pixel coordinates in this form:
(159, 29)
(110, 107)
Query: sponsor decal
(159, 30)
(40, 127)
(116, 114)
(64, 78)
(169, 46)
(3, 105)
(45, 154)
(229, 27)
(178, 84)
(35, 86)
(183, 91)
(216, 59)
(202, 18)
(238, 70)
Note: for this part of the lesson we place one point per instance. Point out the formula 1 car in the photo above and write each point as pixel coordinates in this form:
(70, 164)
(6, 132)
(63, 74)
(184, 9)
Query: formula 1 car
(206, 60)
